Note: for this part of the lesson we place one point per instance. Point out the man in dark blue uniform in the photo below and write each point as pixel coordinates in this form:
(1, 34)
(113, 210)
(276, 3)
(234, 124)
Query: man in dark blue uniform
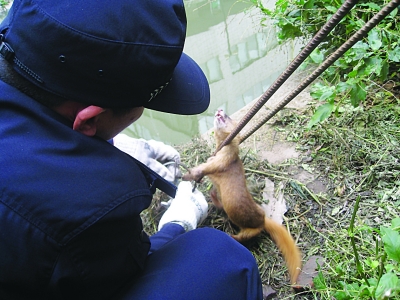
(73, 75)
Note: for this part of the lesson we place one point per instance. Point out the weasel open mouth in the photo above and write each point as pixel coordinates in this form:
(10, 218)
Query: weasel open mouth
(220, 117)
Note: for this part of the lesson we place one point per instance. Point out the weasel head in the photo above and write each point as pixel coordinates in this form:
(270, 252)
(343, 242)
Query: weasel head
(222, 121)
(223, 125)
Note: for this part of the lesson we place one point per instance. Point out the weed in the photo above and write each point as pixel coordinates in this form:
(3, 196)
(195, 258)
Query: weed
(378, 272)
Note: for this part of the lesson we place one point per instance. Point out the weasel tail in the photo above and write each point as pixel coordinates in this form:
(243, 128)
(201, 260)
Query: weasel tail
(286, 245)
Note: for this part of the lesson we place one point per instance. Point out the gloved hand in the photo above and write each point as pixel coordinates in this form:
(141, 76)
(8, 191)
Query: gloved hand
(187, 209)
(161, 158)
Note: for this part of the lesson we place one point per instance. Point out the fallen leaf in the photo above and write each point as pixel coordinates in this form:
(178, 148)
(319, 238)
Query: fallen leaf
(335, 211)
(276, 207)
(308, 272)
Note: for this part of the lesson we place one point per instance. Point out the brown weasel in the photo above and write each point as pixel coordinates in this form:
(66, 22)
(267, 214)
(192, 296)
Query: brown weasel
(230, 193)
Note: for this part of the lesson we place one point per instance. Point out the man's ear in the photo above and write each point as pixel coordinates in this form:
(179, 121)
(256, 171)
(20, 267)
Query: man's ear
(86, 120)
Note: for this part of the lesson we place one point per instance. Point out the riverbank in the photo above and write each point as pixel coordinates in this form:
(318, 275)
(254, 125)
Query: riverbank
(315, 177)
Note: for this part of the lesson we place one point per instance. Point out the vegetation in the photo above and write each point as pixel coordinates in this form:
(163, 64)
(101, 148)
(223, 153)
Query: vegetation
(4, 3)
(370, 65)
(357, 152)
(352, 135)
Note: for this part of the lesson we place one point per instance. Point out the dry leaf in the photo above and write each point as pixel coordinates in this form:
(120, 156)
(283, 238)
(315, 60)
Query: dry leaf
(276, 207)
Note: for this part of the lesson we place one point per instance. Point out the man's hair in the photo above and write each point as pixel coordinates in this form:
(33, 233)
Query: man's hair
(11, 77)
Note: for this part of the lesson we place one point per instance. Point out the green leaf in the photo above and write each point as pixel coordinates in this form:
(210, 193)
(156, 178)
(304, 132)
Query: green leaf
(373, 264)
(341, 295)
(387, 287)
(357, 93)
(282, 4)
(329, 94)
(395, 54)
(373, 65)
(384, 71)
(322, 113)
(319, 281)
(295, 13)
(389, 268)
(360, 45)
(374, 40)
(318, 89)
(396, 224)
(371, 5)
(317, 56)
(365, 290)
(357, 52)
(331, 8)
(323, 92)
(391, 240)
(309, 4)
(393, 13)
(352, 74)
(288, 31)
(352, 289)
(339, 267)
(342, 87)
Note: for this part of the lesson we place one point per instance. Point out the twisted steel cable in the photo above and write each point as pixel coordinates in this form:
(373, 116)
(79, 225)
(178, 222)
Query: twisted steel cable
(329, 61)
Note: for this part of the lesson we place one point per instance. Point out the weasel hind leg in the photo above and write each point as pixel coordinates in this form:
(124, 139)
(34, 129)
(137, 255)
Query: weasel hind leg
(247, 233)
(215, 198)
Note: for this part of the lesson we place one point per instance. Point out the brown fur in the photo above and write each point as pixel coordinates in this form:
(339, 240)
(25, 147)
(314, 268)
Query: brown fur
(230, 193)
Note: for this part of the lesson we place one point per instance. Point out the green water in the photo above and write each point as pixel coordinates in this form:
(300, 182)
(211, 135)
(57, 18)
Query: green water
(240, 58)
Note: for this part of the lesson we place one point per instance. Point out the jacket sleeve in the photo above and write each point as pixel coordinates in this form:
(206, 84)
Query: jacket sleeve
(167, 233)
(101, 258)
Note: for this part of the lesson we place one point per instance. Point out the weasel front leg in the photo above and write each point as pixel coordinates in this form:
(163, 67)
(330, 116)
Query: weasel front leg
(195, 174)
(212, 166)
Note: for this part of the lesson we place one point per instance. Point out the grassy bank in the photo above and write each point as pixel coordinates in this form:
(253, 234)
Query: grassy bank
(355, 155)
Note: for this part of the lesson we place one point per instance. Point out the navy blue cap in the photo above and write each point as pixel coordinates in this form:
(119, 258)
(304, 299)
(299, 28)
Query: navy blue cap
(115, 54)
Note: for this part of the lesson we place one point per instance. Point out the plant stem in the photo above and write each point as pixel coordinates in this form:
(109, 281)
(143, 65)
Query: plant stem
(353, 243)
(382, 266)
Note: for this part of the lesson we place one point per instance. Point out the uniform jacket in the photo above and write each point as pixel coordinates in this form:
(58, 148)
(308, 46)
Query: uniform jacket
(69, 207)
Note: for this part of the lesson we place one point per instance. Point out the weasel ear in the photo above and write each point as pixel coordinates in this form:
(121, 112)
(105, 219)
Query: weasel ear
(86, 120)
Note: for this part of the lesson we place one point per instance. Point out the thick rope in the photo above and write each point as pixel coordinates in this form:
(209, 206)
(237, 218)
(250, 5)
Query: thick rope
(315, 41)
(329, 61)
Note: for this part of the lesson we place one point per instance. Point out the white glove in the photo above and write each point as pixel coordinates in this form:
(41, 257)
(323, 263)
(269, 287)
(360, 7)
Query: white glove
(187, 209)
(161, 158)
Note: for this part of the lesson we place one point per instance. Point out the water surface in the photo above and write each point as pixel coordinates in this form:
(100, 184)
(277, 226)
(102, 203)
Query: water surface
(240, 57)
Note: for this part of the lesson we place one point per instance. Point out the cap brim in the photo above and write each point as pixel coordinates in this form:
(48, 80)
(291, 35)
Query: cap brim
(188, 92)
